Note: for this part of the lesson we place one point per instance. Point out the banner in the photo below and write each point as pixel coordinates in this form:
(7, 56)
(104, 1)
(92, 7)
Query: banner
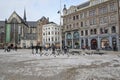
(8, 30)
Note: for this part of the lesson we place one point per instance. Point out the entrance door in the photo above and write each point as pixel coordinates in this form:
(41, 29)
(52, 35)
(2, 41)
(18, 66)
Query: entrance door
(94, 44)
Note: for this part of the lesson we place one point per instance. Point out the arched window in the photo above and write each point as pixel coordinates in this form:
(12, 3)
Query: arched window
(95, 31)
(101, 31)
(69, 36)
(76, 35)
(113, 29)
(82, 33)
(91, 31)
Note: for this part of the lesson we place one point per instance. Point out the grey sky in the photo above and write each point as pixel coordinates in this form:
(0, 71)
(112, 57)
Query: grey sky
(35, 9)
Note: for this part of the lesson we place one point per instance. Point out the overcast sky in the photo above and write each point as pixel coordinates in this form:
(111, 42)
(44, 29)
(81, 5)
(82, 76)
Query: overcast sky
(35, 9)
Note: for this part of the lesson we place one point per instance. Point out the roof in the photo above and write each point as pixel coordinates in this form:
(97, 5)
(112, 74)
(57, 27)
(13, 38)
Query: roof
(32, 23)
(20, 18)
(83, 5)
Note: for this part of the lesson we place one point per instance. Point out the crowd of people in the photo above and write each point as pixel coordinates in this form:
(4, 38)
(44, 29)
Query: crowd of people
(38, 49)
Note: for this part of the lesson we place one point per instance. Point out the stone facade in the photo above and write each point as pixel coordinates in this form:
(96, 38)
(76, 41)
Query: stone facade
(51, 35)
(40, 23)
(93, 24)
(19, 31)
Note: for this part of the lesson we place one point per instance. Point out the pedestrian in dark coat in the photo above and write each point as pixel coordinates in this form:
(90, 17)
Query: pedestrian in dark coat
(40, 47)
(16, 47)
(36, 49)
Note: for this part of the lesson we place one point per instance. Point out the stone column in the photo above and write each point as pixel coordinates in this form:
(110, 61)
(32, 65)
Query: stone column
(118, 41)
(72, 40)
(66, 40)
(98, 42)
(110, 41)
(89, 43)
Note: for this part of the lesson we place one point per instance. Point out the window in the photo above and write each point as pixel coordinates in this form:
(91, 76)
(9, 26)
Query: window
(85, 14)
(70, 26)
(93, 21)
(77, 17)
(95, 31)
(86, 32)
(43, 33)
(52, 39)
(56, 39)
(92, 12)
(105, 19)
(106, 30)
(91, 31)
(86, 23)
(76, 35)
(113, 18)
(112, 7)
(81, 15)
(81, 24)
(82, 33)
(101, 31)
(74, 25)
(73, 17)
(113, 29)
(48, 33)
(77, 24)
(52, 32)
(103, 9)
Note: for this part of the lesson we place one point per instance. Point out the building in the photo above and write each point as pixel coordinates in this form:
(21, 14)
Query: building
(51, 35)
(40, 24)
(2, 33)
(18, 31)
(30, 38)
(93, 24)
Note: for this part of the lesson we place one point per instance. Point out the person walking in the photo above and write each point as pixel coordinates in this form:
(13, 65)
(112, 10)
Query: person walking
(5, 48)
(32, 47)
(53, 49)
(16, 47)
(36, 49)
(40, 48)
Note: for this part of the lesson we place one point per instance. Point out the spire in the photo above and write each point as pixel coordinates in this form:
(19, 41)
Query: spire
(24, 15)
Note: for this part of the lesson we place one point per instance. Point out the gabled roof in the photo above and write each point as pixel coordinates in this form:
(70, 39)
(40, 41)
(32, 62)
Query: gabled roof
(22, 21)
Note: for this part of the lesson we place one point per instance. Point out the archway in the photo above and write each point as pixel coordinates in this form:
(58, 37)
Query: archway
(76, 40)
(69, 44)
(93, 44)
(76, 45)
(104, 43)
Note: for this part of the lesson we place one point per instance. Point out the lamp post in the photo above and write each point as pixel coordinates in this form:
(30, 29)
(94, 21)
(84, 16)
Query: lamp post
(60, 28)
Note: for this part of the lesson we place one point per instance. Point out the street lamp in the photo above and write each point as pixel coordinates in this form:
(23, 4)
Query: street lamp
(60, 28)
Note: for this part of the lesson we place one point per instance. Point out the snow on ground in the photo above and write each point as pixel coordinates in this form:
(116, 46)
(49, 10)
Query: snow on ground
(23, 65)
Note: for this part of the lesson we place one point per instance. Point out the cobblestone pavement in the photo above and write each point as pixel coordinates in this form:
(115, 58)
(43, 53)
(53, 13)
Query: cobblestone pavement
(23, 65)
